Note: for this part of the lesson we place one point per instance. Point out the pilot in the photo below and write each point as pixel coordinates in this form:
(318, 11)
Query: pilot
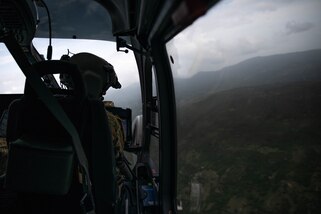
(3, 157)
(99, 76)
(3, 145)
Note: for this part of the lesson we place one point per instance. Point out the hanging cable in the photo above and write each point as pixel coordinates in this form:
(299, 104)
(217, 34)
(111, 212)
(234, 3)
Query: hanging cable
(49, 50)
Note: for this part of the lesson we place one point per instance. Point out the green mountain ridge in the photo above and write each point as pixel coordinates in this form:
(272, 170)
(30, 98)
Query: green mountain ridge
(253, 149)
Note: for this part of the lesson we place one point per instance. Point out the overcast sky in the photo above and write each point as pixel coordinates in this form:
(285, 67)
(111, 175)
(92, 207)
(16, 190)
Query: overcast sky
(231, 32)
(235, 30)
(124, 64)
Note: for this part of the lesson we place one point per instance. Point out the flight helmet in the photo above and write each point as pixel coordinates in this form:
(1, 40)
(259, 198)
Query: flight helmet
(97, 73)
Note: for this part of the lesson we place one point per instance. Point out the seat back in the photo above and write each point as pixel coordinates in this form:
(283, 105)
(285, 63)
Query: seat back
(41, 166)
(41, 157)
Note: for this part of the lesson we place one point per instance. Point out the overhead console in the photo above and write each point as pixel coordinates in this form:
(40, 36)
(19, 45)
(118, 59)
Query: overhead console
(19, 18)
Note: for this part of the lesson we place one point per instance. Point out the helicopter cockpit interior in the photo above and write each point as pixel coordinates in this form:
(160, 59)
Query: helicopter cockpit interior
(60, 157)
(213, 106)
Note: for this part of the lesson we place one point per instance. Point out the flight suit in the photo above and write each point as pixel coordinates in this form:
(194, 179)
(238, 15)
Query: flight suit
(3, 155)
(118, 139)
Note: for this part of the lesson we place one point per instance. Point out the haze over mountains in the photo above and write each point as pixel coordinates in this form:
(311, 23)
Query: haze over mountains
(281, 68)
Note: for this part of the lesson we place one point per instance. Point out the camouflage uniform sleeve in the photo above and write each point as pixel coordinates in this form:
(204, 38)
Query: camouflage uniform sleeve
(3, 155)
(118, 142)
(117, 132)
(118, 138)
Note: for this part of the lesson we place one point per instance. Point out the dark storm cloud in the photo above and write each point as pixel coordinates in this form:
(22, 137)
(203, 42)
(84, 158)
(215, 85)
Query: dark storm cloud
(84, 19)
(293, 27)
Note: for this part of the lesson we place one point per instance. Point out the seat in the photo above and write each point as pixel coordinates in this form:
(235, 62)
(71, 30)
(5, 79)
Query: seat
(42, 166)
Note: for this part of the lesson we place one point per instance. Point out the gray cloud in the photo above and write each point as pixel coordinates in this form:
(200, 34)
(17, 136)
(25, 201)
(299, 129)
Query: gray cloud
(245, 46)
(266, 6)
(236, 30)
(293, 27)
